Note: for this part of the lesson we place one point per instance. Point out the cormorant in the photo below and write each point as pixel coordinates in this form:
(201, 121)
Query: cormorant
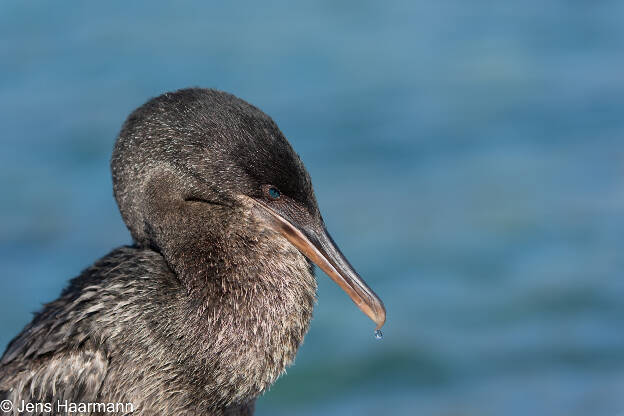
(209, 305)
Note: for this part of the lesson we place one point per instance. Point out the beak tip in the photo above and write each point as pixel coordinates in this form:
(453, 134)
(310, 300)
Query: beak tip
(380, 316)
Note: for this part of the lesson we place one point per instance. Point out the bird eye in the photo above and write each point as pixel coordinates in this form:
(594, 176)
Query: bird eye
(274, 193)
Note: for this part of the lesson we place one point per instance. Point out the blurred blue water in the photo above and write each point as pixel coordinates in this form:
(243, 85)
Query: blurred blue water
(468, 158)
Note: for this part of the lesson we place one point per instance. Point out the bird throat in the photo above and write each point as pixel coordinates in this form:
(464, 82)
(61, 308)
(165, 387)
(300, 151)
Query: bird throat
(252, 297)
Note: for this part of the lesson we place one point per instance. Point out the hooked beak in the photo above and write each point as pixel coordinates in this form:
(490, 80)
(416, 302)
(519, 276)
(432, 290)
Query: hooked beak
(318, 246)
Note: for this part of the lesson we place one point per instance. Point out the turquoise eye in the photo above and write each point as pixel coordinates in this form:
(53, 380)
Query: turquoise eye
(274, 193)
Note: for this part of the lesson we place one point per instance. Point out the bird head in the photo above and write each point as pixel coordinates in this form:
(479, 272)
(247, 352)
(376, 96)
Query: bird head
(186, 163)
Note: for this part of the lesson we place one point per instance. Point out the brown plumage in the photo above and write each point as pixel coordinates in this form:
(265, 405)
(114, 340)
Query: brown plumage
(208, 307)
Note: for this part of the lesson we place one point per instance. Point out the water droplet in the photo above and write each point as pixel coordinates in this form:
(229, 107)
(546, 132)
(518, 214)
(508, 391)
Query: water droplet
(378, 334)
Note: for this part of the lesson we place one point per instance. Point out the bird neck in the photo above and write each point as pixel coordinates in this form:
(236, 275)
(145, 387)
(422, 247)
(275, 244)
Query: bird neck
(251, 294)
